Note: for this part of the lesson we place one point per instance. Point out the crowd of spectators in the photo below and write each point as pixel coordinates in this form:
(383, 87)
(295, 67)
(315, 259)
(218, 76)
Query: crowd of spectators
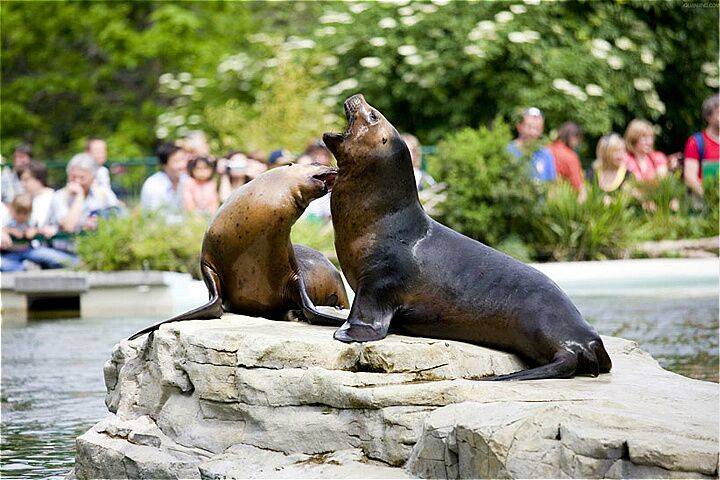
(617, 157)
(39, 224)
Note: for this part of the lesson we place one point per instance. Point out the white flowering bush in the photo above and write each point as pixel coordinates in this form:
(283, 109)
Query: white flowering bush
(435, 66)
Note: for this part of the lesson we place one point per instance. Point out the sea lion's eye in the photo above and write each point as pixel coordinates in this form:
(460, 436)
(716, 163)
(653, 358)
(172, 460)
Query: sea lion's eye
(373, 117)
(384, 141)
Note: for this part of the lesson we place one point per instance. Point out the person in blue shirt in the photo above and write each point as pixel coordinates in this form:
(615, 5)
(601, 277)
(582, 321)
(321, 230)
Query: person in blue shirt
(530, 129)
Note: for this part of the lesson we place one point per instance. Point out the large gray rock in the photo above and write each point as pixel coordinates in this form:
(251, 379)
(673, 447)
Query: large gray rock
(246, 397)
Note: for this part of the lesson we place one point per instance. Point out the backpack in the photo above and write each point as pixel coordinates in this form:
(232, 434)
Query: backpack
(700, 142)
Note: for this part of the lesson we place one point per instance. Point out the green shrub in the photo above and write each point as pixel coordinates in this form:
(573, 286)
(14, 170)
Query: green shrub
(517, 248)
(668, 212)
(143, 242)
(602, 227)
(489, 194)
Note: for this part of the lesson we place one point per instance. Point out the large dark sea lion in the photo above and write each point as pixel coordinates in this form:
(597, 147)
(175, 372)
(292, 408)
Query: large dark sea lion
(248, 263)
(428, 280)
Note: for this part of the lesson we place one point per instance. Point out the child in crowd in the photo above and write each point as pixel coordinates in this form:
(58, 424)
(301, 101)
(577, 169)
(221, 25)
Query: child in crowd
(199, 191)
(18, 244)
(18, 227)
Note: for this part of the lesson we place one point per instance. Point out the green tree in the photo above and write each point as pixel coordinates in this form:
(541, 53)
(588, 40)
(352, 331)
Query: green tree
(437, 66)
(74, 69)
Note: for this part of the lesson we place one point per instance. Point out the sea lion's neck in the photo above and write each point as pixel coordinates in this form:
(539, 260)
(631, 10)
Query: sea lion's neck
(379, 186)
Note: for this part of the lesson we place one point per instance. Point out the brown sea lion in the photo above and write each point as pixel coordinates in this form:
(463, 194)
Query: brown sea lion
(249, 264)
(428, 280)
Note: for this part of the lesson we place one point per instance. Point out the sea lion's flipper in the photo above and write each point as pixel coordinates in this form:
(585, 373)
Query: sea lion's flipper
(563, 366)
(312, 314)
(367, 321)
(211, 310)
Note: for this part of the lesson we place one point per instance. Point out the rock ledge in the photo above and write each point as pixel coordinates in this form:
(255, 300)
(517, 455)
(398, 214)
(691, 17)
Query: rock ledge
(244, 397)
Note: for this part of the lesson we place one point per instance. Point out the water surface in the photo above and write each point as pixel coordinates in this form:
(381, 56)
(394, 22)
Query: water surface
(53, 389)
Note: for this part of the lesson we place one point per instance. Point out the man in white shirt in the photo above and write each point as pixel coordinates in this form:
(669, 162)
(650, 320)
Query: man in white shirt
(162, 191)
(79, 204)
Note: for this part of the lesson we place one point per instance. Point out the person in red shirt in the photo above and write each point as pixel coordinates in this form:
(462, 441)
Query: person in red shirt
(702, 147)
(567, 162)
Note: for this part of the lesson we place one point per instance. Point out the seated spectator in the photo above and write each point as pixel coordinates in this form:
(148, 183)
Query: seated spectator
(701, 149)
(316, 152)
(34, 181)
(162, 191)
(610, 167)
(18, 224)
(19, 245)
(645, 163)
(97, 148)
(567, 162)
(200, 193)
(423, 179)
(236, 170)
(11, 185)
(530, 129)
(79, 205)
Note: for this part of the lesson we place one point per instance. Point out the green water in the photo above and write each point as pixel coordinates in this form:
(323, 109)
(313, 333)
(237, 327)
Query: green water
(53, 389)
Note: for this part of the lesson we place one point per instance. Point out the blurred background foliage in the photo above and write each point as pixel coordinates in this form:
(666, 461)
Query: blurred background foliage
(134, 72)
(264, 75)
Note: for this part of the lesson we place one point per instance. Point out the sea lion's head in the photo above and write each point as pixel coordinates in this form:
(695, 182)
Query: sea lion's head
(308, 182)
(369, 136)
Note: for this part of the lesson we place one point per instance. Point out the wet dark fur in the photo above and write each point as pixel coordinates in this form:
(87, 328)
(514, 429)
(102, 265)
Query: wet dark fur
(428, 280)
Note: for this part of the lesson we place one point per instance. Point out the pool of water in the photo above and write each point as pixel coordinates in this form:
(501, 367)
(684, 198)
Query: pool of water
(53, 389)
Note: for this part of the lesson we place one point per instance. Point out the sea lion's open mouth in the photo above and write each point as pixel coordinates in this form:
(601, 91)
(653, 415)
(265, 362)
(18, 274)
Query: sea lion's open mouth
(351, 106)
(328, 178)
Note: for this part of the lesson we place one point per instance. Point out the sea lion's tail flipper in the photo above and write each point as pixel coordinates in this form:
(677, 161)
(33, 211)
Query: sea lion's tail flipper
(312, 314)
(211, 310)
(563, 366)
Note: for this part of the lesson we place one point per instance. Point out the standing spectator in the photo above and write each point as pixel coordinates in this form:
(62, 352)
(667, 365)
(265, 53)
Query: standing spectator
(567, 162)
(195, 144)
(645, 163)
(162, 191)
(701, 149)
(422, 178)
(530, 129)
(200, 193)
(34, 181)
(11, 185)
(97, 148)
(610, 167)
(79, 204)
(316, 152)
(236, 170)
(279, 157)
